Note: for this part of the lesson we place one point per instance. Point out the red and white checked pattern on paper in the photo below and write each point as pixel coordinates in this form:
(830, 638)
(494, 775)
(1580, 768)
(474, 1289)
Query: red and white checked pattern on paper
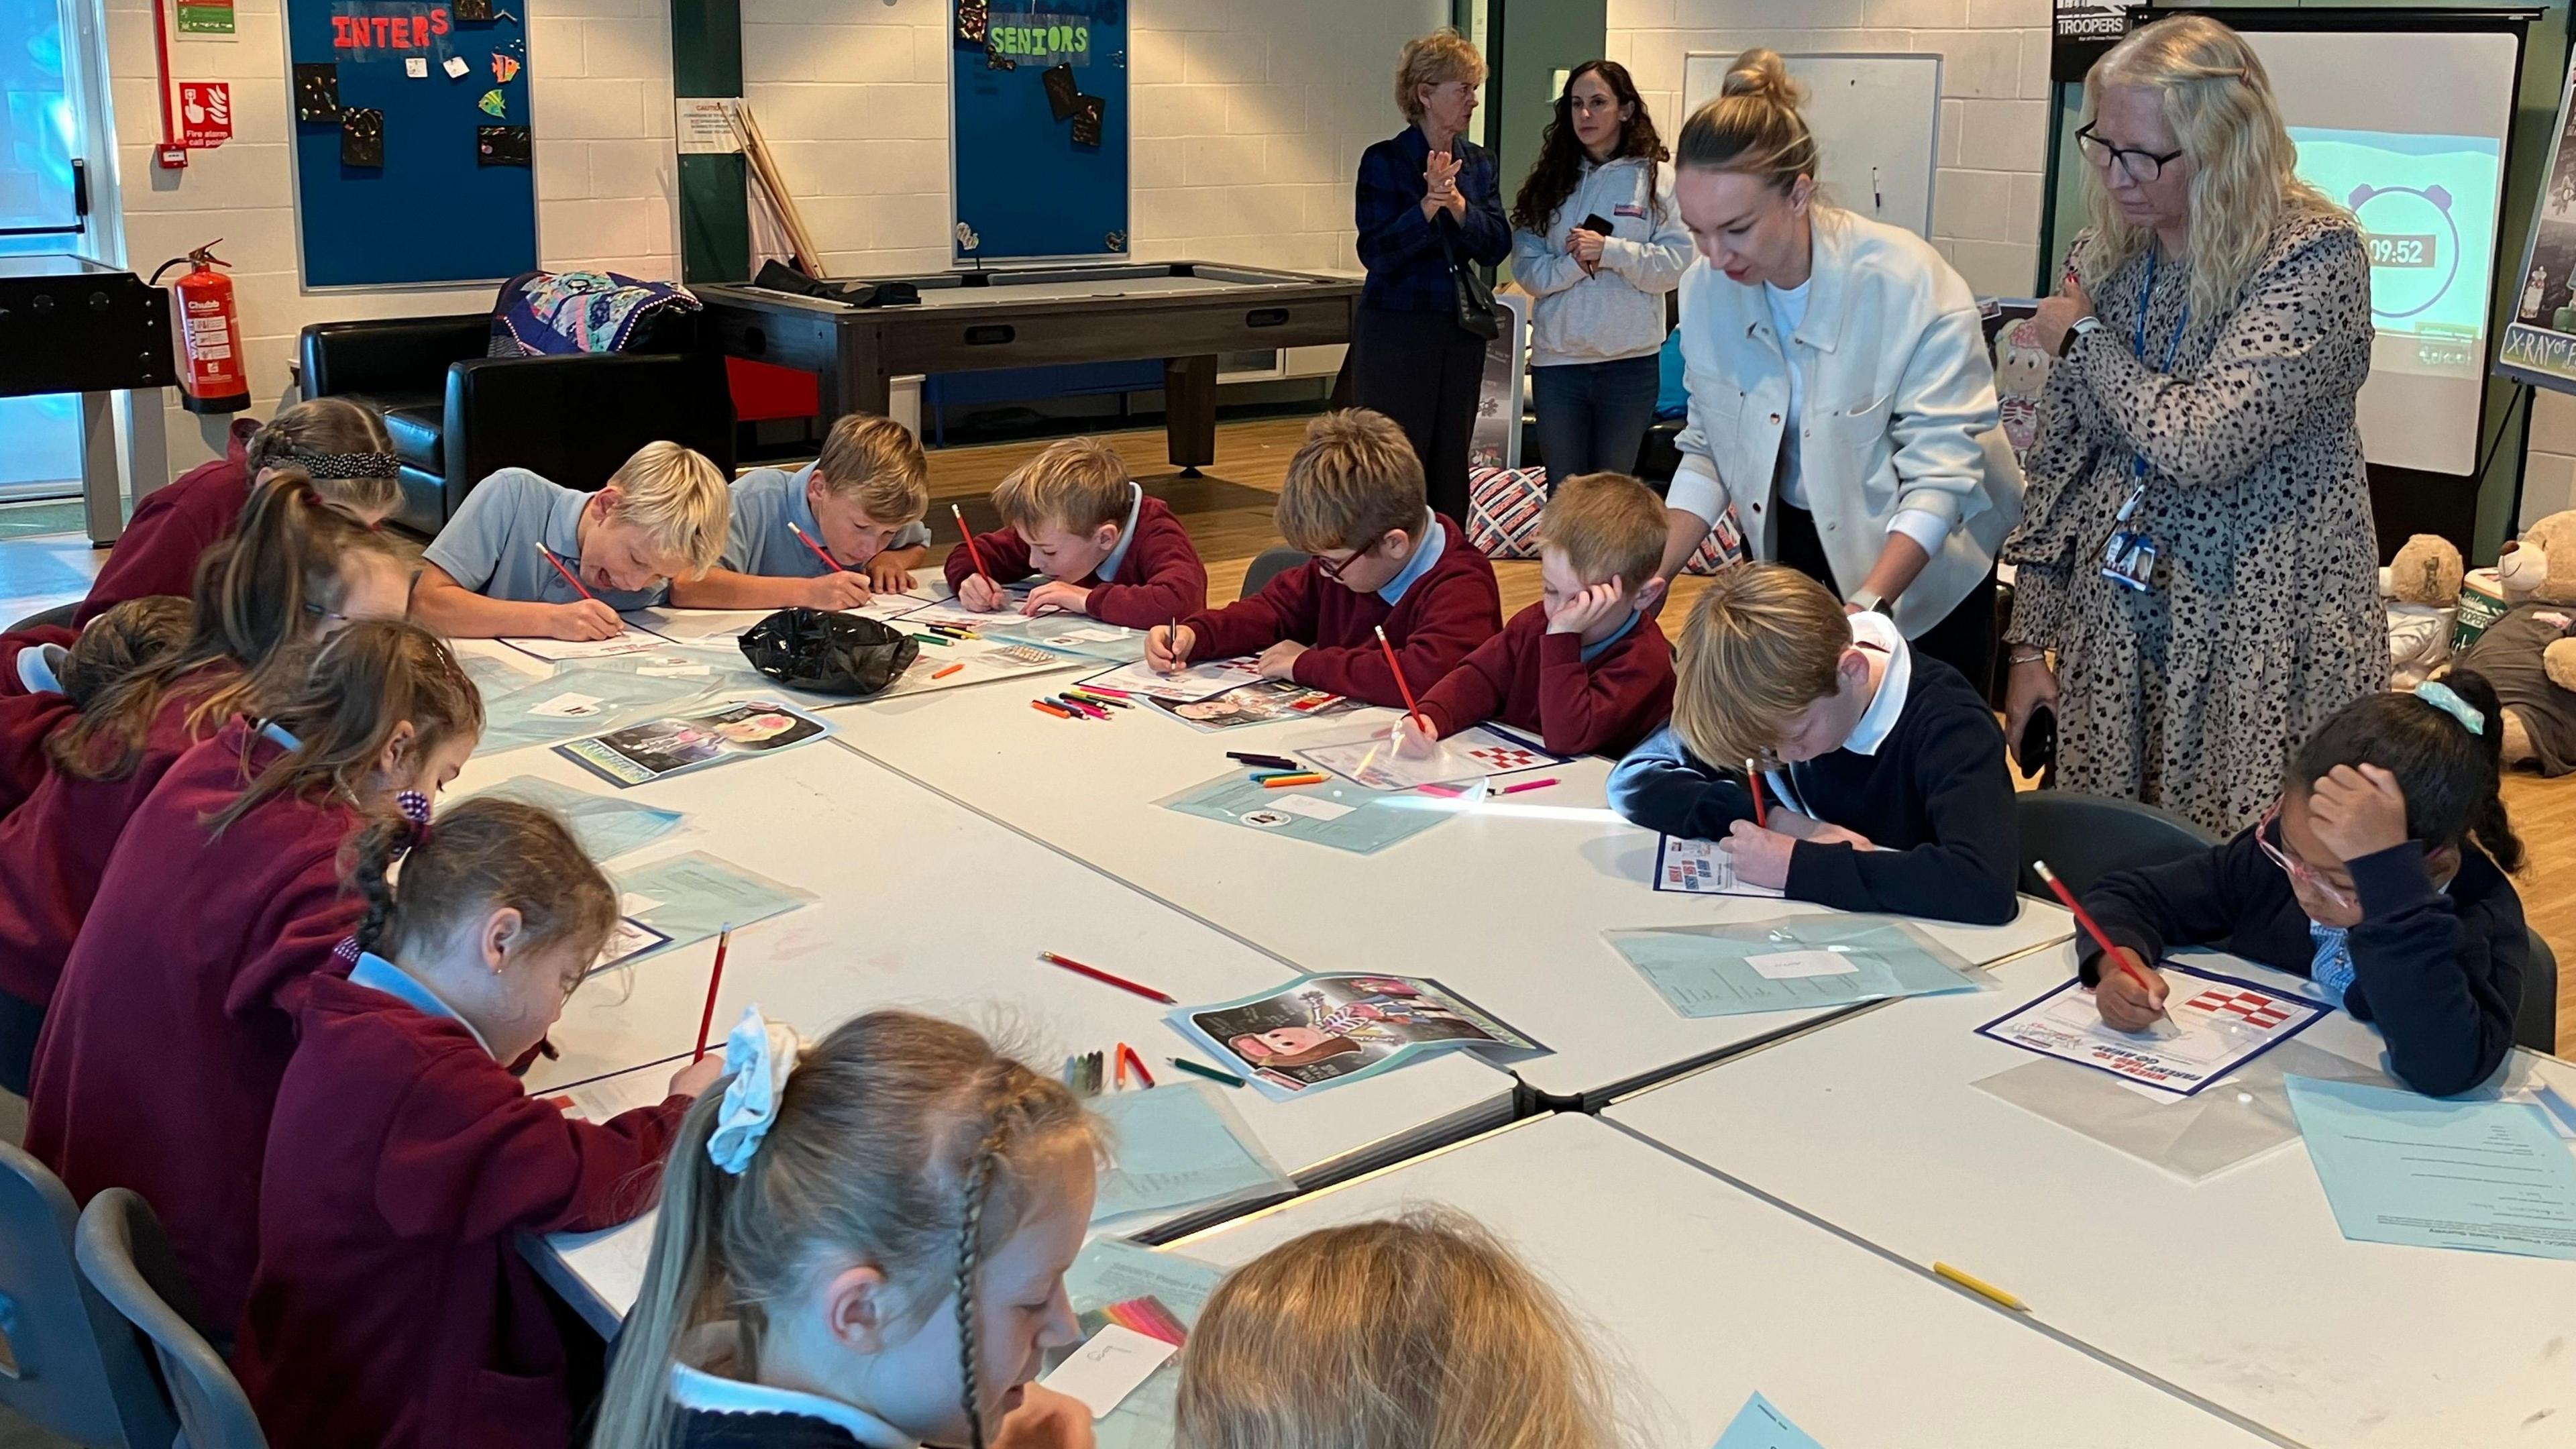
(2257, 1009)
(1505, 757)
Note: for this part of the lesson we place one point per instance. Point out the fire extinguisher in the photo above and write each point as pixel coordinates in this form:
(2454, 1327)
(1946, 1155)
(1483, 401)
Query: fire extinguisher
(209, 334)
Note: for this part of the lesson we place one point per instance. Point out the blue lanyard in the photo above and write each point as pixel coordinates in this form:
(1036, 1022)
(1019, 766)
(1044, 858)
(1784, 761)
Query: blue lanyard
(2138, 349)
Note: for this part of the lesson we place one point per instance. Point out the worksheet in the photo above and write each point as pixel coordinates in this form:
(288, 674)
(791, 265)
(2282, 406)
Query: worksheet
(1368, 757)
(1761, 1425)
(962, 662)
(1790, 963)
(605, 825)
(1114, 1271)
(576, 700)
(631, 641)
(1196, 682)
(1700, 868)
(691, 897)
(1335, 813)
(2213, 1025)
(1176, 1146)
(2399, 1167)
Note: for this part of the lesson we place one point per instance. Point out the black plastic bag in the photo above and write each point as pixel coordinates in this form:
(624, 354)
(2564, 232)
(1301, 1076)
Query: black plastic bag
(829, 653)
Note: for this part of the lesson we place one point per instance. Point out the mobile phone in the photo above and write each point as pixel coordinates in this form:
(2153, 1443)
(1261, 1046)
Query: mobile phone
(1594, 223)
(2037, 749)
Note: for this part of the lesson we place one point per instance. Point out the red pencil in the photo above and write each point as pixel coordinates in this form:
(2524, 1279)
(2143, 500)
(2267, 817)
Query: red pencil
(1096, 974)
(1142, 1075)
(806, 539)
(568, 575)
(972, 551)
(2084, 918)
(1753, 778)
(1412, 710)
(715, 979)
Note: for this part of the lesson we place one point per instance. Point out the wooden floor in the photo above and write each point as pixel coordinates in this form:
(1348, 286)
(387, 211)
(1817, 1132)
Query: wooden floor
(1229, 517)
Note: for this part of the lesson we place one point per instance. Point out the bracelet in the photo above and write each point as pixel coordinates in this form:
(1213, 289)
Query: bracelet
(2036, 656)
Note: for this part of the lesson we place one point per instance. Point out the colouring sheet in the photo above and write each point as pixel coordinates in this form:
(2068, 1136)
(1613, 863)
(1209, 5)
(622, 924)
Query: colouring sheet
(1700, 868)
(632, 641)
(1199, 681)
(1369, 757)
(2214, 1024)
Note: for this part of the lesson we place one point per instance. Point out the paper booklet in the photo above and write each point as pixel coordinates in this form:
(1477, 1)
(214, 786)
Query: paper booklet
(1324, 1030)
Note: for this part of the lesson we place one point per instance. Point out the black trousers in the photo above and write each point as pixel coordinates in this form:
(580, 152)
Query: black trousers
(1964, 639)
(1423, 370)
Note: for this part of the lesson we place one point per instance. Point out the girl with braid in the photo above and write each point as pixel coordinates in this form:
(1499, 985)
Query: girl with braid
(862, 1245)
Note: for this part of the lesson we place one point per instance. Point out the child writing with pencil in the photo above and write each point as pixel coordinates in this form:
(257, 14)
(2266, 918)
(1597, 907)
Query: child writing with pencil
(391, 1306)
(2380, 874)
(1585, 668)
(529, 559)
(161, 1058)
(1383, 560)
(861, 1243)
(1106, 549)
(1884, 769)
(831, 535)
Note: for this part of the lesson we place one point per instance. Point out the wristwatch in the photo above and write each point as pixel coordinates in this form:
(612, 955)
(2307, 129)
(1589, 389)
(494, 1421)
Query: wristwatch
(1869, 602)
(2084, 326)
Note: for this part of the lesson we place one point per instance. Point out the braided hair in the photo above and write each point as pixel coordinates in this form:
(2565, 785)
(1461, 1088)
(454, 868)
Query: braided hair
(970, 1252)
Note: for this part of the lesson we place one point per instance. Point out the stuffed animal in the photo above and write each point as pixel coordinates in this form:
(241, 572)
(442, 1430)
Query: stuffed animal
(2021, 374)
(2529, 654)
(2422, 587)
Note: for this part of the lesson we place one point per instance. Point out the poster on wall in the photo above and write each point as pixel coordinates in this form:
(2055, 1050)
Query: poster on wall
(2080, 32)
(205, 114)
(2540, 341)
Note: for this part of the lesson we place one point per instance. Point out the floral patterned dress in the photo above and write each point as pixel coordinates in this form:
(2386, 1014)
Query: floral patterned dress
(2264, 617)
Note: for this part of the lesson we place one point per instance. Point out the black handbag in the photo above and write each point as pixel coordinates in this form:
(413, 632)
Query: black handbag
(1475, 300)
(829, 653)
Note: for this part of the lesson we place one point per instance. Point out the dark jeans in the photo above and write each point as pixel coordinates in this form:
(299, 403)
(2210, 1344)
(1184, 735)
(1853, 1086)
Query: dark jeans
(1593, 416)
(1964, 639)
(1424, 371)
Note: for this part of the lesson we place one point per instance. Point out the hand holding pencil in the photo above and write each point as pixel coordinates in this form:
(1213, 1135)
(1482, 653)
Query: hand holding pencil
(2129, 995)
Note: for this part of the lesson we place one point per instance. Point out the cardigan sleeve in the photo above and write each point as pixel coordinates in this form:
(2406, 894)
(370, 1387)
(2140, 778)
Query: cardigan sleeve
(2440, 980)
(2198, 900)
(1663, 786)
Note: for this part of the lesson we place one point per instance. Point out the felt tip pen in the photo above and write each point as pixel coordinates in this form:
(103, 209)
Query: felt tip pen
(944, 673)
(1527, 785)
(1981, 1288)
(1085, 694)
(1096, 974)
(1120, 1057)
(942, 640)
(1266, 762)
(1112, 693)
(1196, 1069)
(1282, 782)
(1127, 1054)
(1085, 706)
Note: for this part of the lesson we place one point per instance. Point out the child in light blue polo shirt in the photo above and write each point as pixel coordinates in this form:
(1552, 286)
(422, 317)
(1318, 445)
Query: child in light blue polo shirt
(505, 566)
(831, 534)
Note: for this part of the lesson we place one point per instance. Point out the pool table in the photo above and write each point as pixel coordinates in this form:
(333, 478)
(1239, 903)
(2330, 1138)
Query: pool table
(1185, 313)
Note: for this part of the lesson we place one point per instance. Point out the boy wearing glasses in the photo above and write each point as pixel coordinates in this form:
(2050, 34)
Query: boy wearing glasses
(1383, 559)
(1882, 768)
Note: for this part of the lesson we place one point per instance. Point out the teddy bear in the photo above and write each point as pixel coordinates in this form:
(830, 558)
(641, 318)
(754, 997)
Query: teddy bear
(2021, 374)
(2422, 587)
(2529, 654)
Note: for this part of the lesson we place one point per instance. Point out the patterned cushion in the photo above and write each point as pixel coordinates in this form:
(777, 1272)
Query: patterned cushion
(1503, 507)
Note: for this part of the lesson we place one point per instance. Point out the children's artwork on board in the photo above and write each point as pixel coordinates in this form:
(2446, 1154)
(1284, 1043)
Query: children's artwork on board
(1323, 1030)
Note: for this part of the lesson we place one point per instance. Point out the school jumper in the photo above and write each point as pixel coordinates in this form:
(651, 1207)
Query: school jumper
(1435, 613)
(1922, 776)
(15, 644)
(1152, 577)
(25, 721)
(172, 527)
(161, 1057)
(392, 1306)
(725, 1413)
(1578, 698)
(2438, 970)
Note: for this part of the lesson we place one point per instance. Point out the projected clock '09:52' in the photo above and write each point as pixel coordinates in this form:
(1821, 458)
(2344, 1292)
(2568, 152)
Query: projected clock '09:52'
(2414, 246)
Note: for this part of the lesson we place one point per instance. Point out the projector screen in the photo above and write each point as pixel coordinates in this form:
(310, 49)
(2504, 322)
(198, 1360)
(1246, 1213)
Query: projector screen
(2407, 128)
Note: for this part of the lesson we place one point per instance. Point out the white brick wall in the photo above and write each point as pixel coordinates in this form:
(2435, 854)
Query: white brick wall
(1248, 118)
(600, 101)
(1994, 81)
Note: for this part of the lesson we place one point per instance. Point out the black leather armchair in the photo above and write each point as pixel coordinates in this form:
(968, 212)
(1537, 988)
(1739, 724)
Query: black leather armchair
(456, 415)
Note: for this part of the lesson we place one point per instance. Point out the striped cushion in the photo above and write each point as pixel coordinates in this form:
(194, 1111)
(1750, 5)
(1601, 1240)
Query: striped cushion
(1503, 505)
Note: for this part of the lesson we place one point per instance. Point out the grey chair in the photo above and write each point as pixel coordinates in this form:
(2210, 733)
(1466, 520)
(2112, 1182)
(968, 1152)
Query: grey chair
(128, 1259)
(74, 1368)
(2536, 1025)
(2086, 837)
(1271, 564)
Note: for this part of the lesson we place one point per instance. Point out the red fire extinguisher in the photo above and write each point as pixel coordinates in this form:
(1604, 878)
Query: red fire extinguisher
(209, 335)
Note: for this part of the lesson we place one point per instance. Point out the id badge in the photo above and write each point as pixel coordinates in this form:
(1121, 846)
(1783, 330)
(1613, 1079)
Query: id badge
(2129, 560)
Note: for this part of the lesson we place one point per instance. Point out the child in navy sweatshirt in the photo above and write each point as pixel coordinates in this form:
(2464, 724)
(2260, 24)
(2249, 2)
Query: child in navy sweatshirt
(1884, 768)
(2363, 879)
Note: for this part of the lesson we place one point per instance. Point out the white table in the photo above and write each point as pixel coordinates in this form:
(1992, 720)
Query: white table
(2238, 1288)
(923, 905)
(1506, 904)
(1702, 1293)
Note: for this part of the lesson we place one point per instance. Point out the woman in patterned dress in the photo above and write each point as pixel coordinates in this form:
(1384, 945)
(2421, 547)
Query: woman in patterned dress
(2197, 438)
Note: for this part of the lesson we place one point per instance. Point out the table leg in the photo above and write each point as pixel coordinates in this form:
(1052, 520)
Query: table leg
(102, 482)
(1189, 411)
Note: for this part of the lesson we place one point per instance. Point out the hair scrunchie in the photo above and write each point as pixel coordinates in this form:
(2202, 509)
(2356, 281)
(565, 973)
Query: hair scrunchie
(761, 1054)
(345, 465)
(415, 808)
(2442, 697)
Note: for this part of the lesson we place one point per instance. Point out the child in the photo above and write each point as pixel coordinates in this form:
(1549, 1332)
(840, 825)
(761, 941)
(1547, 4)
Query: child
(296, 569)
(1586, 667)
(1421, 1333)
(1885, 770)
(1353, 498)
(339, 444)
(1107, 550)
(862, 1243)
(492, 570)
(161, 1057)
(2362, 878)
(862, 500)
(62, 682)
(404, 1160)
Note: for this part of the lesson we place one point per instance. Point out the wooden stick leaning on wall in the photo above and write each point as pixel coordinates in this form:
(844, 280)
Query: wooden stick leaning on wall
(764, 170)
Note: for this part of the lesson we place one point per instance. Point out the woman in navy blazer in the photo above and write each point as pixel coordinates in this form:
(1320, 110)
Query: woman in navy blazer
(1429, 201)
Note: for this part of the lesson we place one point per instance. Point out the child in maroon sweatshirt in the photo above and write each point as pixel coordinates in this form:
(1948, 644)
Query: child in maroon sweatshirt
(61, 682)
(1585, 668)
(1107, 550)
(391, 1306)
(1382, 560)
(161, 1057)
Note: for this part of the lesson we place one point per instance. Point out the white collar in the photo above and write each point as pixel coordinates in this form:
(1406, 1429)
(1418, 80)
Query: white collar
(713, 1394)
(1880, 718)
(1108, 569)
(40, 668)
(377, 973)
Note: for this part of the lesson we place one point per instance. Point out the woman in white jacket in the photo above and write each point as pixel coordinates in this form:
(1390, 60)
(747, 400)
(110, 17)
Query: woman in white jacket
(1597, 242)
(1841, 395)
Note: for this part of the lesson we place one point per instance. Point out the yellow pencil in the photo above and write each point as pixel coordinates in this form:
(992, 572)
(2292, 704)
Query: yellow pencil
(1981, 1288)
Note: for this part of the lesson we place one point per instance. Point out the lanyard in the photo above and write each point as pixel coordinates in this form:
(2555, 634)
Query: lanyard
(2138, 349)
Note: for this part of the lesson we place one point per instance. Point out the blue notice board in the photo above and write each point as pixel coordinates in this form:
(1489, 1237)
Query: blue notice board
(434, 210)
(1030, 177)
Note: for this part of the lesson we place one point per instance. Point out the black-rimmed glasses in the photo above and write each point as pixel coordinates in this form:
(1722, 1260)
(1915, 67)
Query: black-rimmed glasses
(2142, 167)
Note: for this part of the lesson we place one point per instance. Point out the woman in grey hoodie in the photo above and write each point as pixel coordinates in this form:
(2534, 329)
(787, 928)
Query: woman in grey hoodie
(1597, 243)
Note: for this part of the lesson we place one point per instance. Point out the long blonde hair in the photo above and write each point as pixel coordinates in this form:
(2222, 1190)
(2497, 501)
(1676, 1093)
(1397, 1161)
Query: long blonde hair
(900, 1140)
(2218, 99)
(1419, 1333)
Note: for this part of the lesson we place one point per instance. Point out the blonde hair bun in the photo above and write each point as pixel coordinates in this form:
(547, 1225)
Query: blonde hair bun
(1761, 74)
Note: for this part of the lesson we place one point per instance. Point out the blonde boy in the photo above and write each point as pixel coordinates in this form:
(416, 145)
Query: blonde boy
(861, 502)
(1884, 768)
(1353, 499)
(662, 516)
(1585, 668)
(1106, 549)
